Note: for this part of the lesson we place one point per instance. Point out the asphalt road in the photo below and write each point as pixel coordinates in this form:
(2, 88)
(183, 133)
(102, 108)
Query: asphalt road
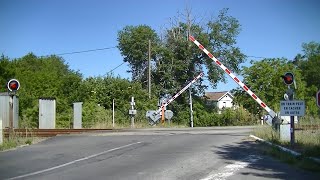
(199, 153)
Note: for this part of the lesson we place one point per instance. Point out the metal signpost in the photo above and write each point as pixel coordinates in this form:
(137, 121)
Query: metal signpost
(132, 111)
(13, 86)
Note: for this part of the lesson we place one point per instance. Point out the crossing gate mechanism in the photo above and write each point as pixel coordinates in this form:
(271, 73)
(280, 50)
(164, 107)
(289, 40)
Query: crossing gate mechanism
(154, 116)
(241, 84)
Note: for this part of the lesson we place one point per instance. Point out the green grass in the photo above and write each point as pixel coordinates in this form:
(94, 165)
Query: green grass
(16, 140)
(307, 143)
(9, 143)
(299, 162)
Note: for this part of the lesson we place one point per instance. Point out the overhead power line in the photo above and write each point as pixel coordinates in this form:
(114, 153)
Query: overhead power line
(85, 51)
(113, 47)
(114, 68)
(258, 57)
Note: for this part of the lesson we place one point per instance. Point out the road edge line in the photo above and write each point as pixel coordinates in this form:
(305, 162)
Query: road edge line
(296, 154)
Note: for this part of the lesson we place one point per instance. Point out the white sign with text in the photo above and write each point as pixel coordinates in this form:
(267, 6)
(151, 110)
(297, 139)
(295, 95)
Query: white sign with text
(292, 108)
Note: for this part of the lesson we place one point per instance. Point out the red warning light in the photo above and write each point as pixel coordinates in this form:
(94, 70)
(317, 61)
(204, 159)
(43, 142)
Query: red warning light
(288, 78)
(13, 85)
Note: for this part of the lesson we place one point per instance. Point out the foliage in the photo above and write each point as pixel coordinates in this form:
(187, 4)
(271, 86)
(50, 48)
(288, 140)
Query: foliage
(133, 44)
(5, 72)
(263, 77)
(175, 59)
(43, 77)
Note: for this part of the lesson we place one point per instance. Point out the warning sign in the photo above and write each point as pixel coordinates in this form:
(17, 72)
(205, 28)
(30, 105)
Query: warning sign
(292, 108)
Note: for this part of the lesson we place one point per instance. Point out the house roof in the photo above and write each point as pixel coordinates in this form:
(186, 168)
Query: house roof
(216, 96)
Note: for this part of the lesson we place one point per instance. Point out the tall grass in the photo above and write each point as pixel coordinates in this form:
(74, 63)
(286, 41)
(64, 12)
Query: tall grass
(307, 141)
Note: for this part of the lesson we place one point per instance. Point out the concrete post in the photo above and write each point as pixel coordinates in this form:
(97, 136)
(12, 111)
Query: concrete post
(77, 115)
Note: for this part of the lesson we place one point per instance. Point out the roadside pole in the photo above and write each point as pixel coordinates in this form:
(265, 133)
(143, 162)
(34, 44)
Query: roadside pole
(112, 113)
(132, 111)
(292, 138)
(11, 116)
(162, 115)
(191, 110)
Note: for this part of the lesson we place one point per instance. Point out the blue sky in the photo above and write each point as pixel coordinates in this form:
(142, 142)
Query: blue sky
(270, 28)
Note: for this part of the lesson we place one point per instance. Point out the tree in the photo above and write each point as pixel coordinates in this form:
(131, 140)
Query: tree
(6, 72)
(263, 78)
(133, 44)
(45, 77)
(310, 63)
(177, 60)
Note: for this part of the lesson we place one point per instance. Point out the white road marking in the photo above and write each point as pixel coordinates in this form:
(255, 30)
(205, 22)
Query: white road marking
(230, 169)
(72, 162)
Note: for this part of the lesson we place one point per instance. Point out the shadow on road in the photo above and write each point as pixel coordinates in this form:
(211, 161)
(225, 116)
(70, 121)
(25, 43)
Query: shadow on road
(265, 166)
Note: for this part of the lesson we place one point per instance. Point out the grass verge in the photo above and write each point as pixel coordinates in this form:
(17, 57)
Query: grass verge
(15, 141)
(300, 162)
(307, 143)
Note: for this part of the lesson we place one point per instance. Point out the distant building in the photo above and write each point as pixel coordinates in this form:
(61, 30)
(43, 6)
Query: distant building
(219, 100)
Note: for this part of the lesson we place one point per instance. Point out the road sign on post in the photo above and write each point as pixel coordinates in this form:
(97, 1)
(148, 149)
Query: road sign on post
(292, 108)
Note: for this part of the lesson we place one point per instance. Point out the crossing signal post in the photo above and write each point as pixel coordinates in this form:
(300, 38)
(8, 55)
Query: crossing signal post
(288, 79)
(13, 86)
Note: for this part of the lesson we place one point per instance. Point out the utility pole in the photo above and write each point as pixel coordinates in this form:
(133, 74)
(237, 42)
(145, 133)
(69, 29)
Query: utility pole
(112, 113)
(191, 111)
(149, 70)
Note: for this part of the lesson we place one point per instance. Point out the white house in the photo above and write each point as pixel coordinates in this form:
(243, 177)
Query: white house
(221, 100)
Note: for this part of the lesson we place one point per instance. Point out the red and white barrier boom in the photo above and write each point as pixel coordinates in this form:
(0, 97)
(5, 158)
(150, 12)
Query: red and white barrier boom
(180, 92)
(154, 116)
(241, 84)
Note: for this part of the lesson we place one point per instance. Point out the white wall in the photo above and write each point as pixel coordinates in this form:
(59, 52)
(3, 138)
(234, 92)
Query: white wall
(226, 102)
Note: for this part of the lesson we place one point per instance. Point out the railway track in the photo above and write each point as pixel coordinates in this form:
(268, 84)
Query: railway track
(307, 127)
(55, 132)
(51, 132)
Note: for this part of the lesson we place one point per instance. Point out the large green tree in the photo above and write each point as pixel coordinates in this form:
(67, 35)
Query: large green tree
(6, 72)
(309, 63)
(175, 59)
(134, 46)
